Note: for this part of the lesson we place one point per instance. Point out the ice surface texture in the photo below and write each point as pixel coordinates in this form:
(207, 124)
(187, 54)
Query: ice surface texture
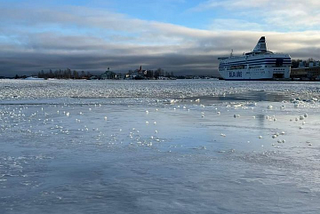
(185, 146)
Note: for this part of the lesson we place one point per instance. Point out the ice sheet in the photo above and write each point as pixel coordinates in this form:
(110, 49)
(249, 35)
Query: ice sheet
(186, 146)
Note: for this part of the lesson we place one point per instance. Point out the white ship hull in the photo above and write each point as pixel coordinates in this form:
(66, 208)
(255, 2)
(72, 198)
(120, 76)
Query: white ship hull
(257, 65)
(246, 74)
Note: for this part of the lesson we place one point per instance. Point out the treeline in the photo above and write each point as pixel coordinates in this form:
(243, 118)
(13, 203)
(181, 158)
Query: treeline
(149, 74)
(64, 74)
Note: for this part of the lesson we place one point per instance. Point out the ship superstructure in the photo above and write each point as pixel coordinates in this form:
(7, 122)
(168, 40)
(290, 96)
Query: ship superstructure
(256, 65)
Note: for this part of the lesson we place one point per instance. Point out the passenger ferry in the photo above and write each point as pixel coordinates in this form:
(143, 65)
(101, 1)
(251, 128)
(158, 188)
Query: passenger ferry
(258, 64)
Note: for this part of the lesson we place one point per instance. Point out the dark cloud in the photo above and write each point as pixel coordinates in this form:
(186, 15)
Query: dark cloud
(32, 63)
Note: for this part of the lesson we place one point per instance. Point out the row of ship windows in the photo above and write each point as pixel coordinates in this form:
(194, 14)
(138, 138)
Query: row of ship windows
(261, 71)
(239, 73)
(252, 67)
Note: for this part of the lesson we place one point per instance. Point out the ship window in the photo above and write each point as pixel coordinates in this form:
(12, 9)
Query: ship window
(257, 66)
(235, 67)
(279, 62)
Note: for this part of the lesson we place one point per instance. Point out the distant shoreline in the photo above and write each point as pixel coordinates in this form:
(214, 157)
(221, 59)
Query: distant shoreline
(195, 78)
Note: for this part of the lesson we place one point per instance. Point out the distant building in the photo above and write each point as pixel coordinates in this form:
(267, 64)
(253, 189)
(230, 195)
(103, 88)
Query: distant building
(138, 74)
(93, 77)
(306, 71)
(108, 75)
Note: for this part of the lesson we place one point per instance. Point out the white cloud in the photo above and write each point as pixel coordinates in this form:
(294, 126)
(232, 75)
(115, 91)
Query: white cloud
(230, 4)
(271, 15)
(234, 25)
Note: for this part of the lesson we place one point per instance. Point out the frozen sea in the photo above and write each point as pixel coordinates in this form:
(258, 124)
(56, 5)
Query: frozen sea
(184, 146)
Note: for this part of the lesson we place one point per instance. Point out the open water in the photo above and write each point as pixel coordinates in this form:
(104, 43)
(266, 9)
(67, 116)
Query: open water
(184, 146)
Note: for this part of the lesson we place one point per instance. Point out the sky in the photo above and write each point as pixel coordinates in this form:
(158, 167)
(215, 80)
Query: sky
(180, 36)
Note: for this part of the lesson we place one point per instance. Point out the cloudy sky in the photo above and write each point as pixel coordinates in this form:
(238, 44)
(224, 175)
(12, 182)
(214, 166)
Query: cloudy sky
(183, 36)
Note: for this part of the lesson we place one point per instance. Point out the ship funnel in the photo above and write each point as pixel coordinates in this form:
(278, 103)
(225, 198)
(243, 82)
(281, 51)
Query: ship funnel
(261, 46)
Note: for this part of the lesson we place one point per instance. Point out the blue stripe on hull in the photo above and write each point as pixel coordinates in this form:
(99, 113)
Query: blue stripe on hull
(250, 63)
(248, 79)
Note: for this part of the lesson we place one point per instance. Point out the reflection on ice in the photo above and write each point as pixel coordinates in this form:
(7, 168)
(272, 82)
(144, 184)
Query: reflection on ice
(183, 146)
